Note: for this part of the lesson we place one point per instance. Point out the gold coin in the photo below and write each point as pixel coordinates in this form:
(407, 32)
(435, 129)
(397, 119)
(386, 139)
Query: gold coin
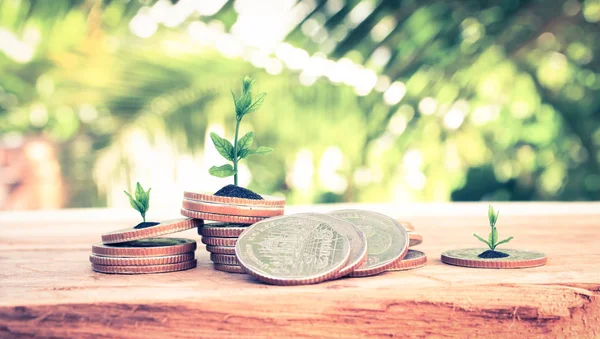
(145, 269)
(152, 247)
(148, 261)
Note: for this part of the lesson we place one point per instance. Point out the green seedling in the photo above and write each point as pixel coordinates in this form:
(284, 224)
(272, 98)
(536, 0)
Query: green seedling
(142, 200)
(492, 241)
(240, 149)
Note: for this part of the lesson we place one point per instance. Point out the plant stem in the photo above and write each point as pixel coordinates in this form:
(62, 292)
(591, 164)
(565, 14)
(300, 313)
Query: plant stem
(235, 152)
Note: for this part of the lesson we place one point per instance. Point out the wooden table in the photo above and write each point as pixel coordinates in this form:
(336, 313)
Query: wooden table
(49, 290)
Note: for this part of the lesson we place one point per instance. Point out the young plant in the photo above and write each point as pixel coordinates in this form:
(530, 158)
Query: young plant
(240, 149)
(142, 200)
(492, 241)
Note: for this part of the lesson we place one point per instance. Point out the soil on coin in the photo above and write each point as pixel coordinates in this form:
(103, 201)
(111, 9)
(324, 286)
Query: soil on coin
(489, 254)
(146, 224)
(237, 192)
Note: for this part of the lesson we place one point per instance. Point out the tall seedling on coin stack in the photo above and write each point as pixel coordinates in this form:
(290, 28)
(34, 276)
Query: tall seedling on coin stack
(492, 241)
(244, 104)
(141, 202)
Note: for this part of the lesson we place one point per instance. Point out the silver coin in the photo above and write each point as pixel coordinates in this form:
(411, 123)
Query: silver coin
(294, 250)
(358, 242)
(387, 240)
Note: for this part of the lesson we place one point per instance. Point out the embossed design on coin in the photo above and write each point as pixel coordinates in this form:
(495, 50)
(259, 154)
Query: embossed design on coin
(293, 250)
(358, 242)
(468, 257)
(387, 240)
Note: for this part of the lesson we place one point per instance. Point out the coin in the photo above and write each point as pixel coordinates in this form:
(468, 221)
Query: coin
(468, 257)
(218, 208)
(221, 249)
(145, 269)
(216, 241)
(413, 259)
(163, 260)
(415, 239)
(358, 242)
(224, 259)
(208, 197)
(146, 248)
(220, 217)
(387, 240)
(222, 229)
(165, 227)
(229, 268)
(293, 250)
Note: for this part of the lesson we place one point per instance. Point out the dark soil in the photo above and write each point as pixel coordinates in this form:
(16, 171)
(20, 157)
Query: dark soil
(489, 254)
(237, 192)
(146, 224)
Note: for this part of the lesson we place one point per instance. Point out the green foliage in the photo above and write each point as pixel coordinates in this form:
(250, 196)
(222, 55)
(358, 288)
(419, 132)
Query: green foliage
(492, 240)
(240, 149)
(141, 202)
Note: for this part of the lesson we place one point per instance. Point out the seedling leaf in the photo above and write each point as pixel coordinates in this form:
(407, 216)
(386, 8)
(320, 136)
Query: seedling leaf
(262, 150)
(223, 146)
(222, 171)
(245, 142)
(141, 202)
(504, 241)
(482, 240)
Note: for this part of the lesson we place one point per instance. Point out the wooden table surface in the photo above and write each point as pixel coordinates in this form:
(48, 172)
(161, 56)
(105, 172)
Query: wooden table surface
(47, 288)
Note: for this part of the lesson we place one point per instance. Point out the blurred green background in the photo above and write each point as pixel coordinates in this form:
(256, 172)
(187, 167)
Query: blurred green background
(367, 101)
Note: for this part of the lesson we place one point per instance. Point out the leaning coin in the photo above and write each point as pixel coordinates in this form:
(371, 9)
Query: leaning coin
(224, 259)
(415, 238)
(220, 217)
(229, 268)
(145, 269)
(222, 229)
(387, 240)
(225, 209)
(146, 248)
(413, 259)
(150, 230)
(116, 261)
(293, 250)
(216, 241)
(358, 242)
(221, 249)
(469, 257)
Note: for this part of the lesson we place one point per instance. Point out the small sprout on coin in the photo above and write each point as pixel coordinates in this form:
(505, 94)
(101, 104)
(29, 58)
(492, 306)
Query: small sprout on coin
(141, 202)
(244, 104)
(492, 240)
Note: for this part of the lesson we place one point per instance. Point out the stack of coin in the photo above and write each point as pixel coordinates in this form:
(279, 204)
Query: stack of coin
(137, 250)
(232, 215)
(230, 209)
(310, 248)
(220, 239)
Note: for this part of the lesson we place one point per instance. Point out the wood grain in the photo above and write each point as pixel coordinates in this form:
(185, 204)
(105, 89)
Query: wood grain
(48, 289)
